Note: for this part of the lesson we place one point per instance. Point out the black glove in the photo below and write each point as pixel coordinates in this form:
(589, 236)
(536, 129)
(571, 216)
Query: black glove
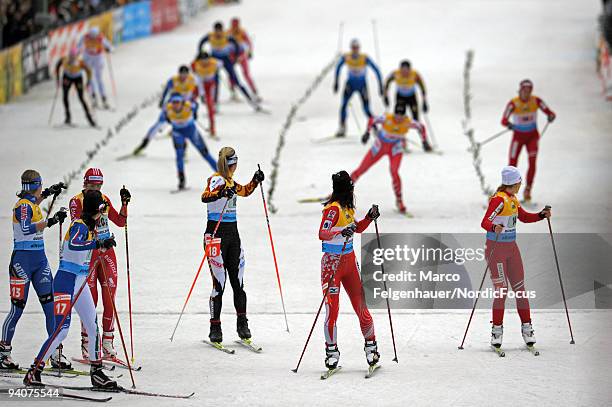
(425, 106)
(228, 192)
(510, 126)
(258, 176)
(349, 231)
(59, 217)
(54, 190)
(386, 100)
(551, 117)
(365, 137)
(335, 87)
(545, 213)
(161, 104)
(106, 243)
(125, 196)
(373, 213)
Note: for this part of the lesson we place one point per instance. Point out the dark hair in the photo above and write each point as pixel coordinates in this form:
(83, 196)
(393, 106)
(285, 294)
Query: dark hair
(342, 190)
(183, 69)
(203, 55)
(405, 63)
(218, 25)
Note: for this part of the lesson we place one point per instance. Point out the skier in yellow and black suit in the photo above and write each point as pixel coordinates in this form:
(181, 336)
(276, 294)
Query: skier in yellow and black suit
(72, 74)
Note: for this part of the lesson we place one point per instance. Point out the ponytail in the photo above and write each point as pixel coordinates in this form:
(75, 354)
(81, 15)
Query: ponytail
(227, 157)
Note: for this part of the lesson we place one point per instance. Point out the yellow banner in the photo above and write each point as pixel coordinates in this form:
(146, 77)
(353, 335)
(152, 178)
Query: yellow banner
(11, 74)
(105, 22)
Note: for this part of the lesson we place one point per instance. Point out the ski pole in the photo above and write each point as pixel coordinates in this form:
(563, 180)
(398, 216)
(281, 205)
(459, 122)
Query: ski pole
(552, 240)
(544, 129)
(376, 45)
(431, 132)
(53, 105)
(198, 273)
(129, 286)
(125, 352)
(340, 35)
(479, 289)
(51, 207)
(493, 137)
(382, 269)
(112, 76)
(263, 198)
(321, 306)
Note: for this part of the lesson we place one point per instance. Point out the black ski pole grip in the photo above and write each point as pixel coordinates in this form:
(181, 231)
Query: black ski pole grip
(547, 207)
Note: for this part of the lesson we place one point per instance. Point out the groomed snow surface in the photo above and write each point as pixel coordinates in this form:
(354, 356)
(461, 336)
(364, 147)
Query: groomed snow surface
(548, 41)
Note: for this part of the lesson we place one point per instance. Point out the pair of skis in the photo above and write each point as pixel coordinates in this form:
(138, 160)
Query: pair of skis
(501, 353)
(330, 372)
(110, 363)
(247, 343)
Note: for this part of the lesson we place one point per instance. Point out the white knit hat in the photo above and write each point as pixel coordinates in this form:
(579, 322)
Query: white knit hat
(511, 175)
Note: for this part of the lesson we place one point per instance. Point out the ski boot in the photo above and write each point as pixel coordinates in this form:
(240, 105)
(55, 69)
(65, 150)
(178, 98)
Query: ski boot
(527, 194)
(528, 335)
(242, 327)
(371, 352)
(215, 335)
(497, 335)
(181, 184)
(341, 131)
(68, 120)
(427, 147)
(400, 206)
(332, 356)
(6, 361)
(84, 346)
(108, 349)
(59, 360)
(141, 147)
(99, 379)
(32, 378)
(105, 103)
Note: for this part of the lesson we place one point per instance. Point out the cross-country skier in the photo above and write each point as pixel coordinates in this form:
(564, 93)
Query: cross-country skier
(181, 114)
(505, 262)
(222, 191)
(406, 81)
(357, 64)
(72, 273)
(29, 263)
(184, 83)
(524, 110)
(206, 70)
(92, 46)
(246, 53)
(92, 181)
(336, 232)
(390, 141)
(226, 49)
(72, 68)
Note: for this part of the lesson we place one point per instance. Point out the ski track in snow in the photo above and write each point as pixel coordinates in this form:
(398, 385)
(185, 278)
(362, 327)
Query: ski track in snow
(550, 42)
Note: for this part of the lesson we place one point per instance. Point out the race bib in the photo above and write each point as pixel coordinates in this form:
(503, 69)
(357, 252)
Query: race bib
(213, 246)
(61, 304)
(17, 287)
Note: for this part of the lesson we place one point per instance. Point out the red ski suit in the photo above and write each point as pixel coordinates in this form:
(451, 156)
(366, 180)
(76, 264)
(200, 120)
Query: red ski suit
(335, 219)
(505, 263)
(97, 257)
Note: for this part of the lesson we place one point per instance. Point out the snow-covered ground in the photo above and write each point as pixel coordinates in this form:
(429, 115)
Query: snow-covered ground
(548, 41)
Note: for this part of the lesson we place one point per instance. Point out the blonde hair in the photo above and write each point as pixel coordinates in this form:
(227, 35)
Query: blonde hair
(502, 188)
(222, 165)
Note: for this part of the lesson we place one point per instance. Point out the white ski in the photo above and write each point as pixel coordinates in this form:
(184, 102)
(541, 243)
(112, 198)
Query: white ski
(371, 370)
(330, 372)
(219, 346)
(247, 343)
(499, 351)
(533, 350)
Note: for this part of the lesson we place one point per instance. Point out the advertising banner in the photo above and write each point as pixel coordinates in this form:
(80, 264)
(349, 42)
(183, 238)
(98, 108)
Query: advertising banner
(11, 75)
(164, 15)
(190, 8)
(103, 21)
(117, 25)
(136, 20)
(62, 39)
(35, 65)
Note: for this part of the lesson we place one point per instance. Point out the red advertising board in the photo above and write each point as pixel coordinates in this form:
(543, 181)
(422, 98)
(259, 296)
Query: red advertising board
(165, 15)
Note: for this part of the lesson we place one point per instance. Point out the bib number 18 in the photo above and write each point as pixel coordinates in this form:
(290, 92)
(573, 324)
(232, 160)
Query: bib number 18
(213, 247)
